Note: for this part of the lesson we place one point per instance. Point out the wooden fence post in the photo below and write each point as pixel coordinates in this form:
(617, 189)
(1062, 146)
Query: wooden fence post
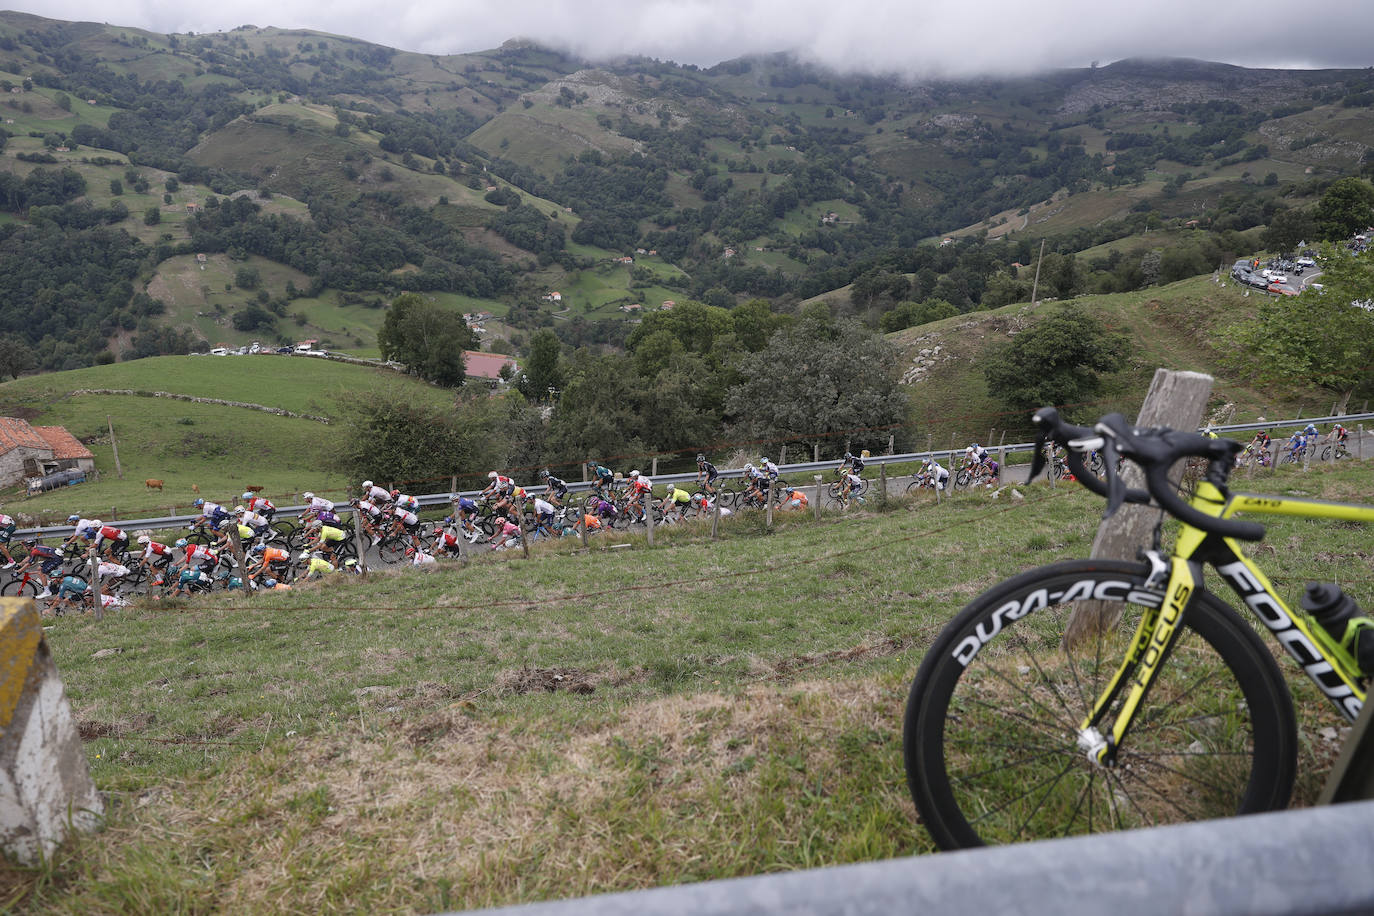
(815, 451)
(358, 544)
(653, 466)
(235, 545)
(715, 515)
(582, 523)
(816, 504)
(94, 584)
(1359, 443)
(782, 456)
(768, 503)
(520, 523)
(892, 444)
(1177, 400)
(649, 515)
(882, 485)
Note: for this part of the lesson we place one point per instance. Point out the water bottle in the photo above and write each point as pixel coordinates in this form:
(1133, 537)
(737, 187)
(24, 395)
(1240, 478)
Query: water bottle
(1341, 617)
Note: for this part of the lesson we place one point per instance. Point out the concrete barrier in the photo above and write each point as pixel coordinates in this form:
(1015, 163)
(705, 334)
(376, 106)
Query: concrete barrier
(45, 782)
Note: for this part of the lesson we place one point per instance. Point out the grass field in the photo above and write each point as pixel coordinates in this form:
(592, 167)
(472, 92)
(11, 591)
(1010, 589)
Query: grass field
(523, 730)
(217, 448)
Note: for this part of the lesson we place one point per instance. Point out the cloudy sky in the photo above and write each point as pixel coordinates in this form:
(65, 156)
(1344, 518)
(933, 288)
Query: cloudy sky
(919, 37)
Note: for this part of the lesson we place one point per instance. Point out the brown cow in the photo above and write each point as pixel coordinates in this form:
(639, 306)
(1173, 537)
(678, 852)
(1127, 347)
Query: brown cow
(195, 488)
(253, 489)
(152, 484)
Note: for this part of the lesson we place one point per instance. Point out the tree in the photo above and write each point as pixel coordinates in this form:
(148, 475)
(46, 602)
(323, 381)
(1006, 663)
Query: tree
(817, 379)
(385, 433)
(1345, 209)
(428, 339)
(541, 369)
(152, 216)
(1056, 362)
(1321, 337)
(15, 357)
(1287, 229)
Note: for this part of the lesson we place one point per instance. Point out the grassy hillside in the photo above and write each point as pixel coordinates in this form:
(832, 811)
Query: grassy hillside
(574, 724)
(217, 448)
(1173, 327)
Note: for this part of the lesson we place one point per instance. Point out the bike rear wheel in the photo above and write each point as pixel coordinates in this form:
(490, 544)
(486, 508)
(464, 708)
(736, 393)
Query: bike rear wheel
(991, 729)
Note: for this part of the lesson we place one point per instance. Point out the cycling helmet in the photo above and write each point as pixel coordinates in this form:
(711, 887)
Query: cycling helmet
(305, 555)
(181, 542)
(257, 548)
(73, 518)
(143, 539)
(848, 456)
(748, 467)
(395, 493)
(790, 490)
(269, 582)
(700, 457)
(307, 495)
(200, 501)
(969, 450)
(492, 475)
(634, 474)
(410, 551)
(367, 484)
(246, 496)
(239, 510)
(544, 473)
(763, 459)
(31, 543)
(97, 523)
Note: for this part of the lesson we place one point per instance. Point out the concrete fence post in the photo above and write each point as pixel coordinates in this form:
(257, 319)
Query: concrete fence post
(45, 782)
(1177, 400)
(782, 455)
(816, 503)
(653, 466)
(892, 444)
(649, 515)
(816, 451)
(882, 485)
(715, 514)
(1359, 443)
(769, 495)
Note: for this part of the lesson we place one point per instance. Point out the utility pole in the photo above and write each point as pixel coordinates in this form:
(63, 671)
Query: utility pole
(118, 469)
(1035, 286)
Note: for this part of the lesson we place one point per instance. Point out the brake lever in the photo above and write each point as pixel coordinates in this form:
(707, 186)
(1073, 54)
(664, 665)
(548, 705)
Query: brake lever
(1038, 462)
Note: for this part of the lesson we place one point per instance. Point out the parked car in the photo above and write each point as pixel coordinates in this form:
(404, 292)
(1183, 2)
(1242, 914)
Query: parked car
(286, 349)
(219, 351)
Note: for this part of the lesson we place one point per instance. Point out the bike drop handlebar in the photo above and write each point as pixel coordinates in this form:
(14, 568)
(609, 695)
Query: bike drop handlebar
(1155, 451)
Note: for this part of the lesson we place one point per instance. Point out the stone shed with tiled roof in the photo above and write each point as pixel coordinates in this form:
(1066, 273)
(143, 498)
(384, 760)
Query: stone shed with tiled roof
(32, 451)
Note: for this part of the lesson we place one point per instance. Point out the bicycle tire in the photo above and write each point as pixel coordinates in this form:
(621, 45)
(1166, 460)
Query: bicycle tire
(20, 588)
(392, 550)
(1216, 736)
(963, 478)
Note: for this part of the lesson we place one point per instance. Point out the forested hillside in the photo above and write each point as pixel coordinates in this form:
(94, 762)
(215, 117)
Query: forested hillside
(162, 193)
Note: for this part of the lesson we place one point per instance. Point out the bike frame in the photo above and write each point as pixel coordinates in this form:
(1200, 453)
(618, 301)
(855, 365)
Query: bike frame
(1178, 577)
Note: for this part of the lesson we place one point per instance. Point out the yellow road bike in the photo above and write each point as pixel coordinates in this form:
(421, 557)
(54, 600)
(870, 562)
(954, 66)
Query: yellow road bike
(1179, 712)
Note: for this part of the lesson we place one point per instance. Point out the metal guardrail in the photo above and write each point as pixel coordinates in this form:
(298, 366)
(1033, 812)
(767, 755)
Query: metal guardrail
(432, 500)
(1310, 861)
